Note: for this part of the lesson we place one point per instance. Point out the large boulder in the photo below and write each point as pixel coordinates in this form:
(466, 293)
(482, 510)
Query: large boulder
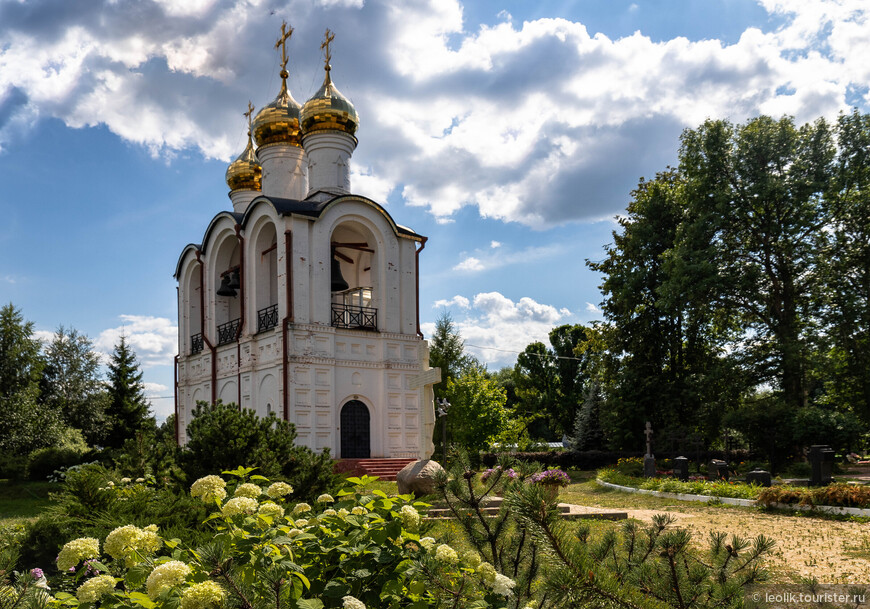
(418, 477)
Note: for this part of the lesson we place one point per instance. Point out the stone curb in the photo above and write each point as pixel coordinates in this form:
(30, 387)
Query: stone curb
(827, 509)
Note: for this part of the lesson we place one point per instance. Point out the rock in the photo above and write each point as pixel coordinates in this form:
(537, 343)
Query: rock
(418, 477)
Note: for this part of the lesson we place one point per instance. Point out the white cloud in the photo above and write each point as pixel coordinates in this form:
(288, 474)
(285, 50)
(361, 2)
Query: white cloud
(470, 264)
(496, 328)
(591, 308)
(495, 244)
(529, 121)
(154, 339)
(458, 301)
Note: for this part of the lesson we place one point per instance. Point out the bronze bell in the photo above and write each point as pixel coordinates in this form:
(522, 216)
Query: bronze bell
(226, 289)
(338, 282)
(235, 280)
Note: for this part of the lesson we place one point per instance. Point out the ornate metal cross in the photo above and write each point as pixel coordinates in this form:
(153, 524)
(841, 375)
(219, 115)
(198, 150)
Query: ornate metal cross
(286, 32)
(328, 37)
(248, 115)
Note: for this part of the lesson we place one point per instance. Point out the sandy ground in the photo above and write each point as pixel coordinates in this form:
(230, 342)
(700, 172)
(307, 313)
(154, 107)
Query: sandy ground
(805, 547)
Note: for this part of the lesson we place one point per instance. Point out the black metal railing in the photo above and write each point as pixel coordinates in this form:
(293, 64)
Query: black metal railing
(227, 332)
(267, 318)
(196, 343)
(356, 318)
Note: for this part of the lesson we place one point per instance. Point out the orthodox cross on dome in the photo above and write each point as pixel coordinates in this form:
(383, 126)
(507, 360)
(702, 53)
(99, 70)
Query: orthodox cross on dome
(286, 32)
(328, 37)
(248, 115)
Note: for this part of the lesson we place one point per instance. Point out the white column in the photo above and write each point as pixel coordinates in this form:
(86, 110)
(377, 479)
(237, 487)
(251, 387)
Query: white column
(285, 171)
(242, 198)
(329, 155)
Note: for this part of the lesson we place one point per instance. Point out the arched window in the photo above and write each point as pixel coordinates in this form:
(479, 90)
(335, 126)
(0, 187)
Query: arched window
(192, 304)
(354, 260)
(228, 291)
(266, 278)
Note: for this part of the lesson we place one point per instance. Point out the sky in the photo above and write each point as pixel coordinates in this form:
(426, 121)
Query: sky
(511, 133)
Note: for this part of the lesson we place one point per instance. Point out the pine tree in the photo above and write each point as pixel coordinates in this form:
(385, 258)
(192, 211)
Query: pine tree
(588, 434)
(20, 361)
(128, 408)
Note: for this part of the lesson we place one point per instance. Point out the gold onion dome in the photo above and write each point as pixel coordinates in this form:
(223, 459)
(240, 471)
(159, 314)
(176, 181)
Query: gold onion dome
(279, 121)
(245, 173)
(329, 109)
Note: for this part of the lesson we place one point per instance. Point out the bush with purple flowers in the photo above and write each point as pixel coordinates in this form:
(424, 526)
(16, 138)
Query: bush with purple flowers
(510, 473)
(551, 476)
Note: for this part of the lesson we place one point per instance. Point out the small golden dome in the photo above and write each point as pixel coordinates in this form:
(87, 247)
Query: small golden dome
(279, 121)
(245, 173)
(329, 109)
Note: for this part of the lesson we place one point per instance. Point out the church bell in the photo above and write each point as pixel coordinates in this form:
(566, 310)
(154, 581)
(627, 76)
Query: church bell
(235, 280)
(338, 282)
(226, 289)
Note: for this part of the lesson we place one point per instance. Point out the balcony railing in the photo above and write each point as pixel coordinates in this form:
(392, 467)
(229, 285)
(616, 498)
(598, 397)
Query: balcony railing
(196, 343)
(267, 318)
(227, 332)
(355, 318)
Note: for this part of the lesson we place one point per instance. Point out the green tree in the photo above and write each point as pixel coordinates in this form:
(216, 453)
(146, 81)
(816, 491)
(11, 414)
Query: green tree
(846, 269)
(588, 434)
(767, 181)
(552, 380)
(20, 360)
(127, 409)
(477, 408)
(72, 385)
(446, 351)
(221, 436)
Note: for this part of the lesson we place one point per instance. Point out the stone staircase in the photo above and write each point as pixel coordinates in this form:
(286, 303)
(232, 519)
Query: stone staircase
(385, 469)
(566, 510)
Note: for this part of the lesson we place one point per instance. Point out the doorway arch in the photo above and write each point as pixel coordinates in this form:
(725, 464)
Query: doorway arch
(355, 431)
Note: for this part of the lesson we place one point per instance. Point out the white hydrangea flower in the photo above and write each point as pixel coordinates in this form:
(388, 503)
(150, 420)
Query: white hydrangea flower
(410, 517)
(278, 489)
(95, 588)
(167, 575)
(503, 585)
(301, 508)
(239, 505)
(76, 551)
(302, 522)
(329, 512)
(428, 542)
(270, 509)
(359, 510)
(209, 488)
(351, 602)
(445, 553)
(487, 572)
(325, 498)
(248, 489)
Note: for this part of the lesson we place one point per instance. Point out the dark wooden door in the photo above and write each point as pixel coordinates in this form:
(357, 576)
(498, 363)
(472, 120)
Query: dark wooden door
(355, 431)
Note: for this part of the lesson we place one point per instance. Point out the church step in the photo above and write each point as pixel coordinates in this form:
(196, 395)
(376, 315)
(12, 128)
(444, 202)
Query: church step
(385, 469)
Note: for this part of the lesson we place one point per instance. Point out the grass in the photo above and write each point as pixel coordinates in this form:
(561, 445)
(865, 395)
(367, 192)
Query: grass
(22, 501)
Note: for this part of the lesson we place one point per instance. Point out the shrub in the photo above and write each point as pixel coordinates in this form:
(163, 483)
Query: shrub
(70, 450)
(837, 495)
(223, 435)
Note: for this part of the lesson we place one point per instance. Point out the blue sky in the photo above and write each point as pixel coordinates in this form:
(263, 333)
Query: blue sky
(510, 133)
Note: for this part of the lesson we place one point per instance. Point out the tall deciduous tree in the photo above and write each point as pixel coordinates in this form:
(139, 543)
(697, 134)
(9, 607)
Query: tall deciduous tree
(477, 412)
(127, 408)
(768, 179)
(72, 384)
(846, 266)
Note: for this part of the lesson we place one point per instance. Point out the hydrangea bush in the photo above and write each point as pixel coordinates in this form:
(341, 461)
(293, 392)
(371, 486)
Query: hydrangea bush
(355, 550)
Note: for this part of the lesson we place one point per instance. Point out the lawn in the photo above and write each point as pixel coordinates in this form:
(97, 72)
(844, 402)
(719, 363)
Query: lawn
(20, 501)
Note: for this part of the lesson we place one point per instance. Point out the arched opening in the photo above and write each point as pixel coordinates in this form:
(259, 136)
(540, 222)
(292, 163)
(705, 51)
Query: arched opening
(355, 261)
(228, 294)
(193, 307)
(355, 431)
(266, 278)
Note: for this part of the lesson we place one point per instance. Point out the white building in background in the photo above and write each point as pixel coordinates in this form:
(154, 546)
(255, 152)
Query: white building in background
(303, 300)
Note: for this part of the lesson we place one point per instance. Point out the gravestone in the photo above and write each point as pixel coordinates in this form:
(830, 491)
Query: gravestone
(649, 461)
(822, 462)
(681, 468)
(717, 470)
(758, 476)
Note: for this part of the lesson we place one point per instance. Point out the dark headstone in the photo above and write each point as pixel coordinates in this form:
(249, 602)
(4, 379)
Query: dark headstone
(822, 463)
(758, 476)
(681, 468)
(717, 470)
(649, 466)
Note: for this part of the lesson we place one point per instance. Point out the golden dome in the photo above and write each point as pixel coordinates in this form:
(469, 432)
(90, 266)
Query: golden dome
(329, 109)
(245, 173)
(279, 121)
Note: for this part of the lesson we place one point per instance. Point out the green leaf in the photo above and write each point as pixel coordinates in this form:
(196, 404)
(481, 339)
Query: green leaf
(305, 581)
(259, 477)
(142, 599)
(379, 493)
(336, 589)
(309, 603)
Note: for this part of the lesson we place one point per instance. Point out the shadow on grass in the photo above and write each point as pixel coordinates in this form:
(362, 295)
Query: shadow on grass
(23, 499)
